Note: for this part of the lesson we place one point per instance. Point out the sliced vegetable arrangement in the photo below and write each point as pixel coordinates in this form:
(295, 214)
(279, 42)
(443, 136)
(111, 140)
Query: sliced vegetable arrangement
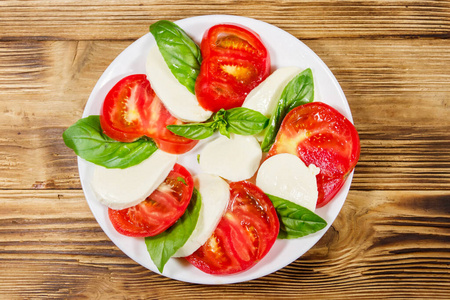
(132, 110)
(246, 232)
(158, 211)
(269, 154)
(320, 135)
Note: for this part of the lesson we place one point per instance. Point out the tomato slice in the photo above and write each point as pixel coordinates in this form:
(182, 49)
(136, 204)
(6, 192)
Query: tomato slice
(233, 39)
(132, 109)
(123, 107)
(175, 145)
(320, 135)
(245, 234)
(224, 83)
(234, 62)
(158, 117)
(160, 210)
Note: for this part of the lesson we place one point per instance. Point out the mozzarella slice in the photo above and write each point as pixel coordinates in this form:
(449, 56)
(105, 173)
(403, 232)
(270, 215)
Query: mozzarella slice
(122, 188)
(265, 96)
(215, 193)
(181, 103)
(286, 176)
(236, 158)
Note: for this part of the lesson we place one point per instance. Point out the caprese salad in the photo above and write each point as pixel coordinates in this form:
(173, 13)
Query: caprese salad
(269, 154)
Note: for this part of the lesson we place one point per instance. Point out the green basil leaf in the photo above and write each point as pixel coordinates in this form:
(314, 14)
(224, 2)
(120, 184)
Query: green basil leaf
(181, 53)
(223, 129)
(181, 179)
(300, 90)
(193, 131)
(295, 220)
(245, 121)
(220, 116)
(237, 120)
(87, 140)
(162, 246)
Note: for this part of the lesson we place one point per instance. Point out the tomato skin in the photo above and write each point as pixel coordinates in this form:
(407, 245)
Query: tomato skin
(175, 146)
(244, 235)
(131, 110)
(320, 135)
(160, 210)
(235, 61)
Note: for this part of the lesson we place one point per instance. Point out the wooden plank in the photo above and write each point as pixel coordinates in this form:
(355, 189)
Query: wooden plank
(399, 99)
(376, 75)
(395, 82)
(388, 243)
(391, 239)
(62, 74)
(398, 157)
(113, 19)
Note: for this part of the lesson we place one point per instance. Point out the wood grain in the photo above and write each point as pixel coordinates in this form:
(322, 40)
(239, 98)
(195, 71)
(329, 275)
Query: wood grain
(114, 19)
(391, 239)
(395, 152)
(391, 242)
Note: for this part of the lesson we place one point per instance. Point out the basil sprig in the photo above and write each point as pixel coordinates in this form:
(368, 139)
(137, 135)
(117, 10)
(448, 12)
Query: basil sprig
(300, 90)
(180, 52)
(238, 120)
(164, 245)
(295, 220)
(87, 140)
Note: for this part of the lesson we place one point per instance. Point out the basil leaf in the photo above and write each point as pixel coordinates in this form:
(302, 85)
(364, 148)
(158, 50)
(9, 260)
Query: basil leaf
(87, 140)
(193, 131)
(223, 130)
(220, 116)
(245, 121)
(239, 120)
(181, 53)
(220, 122)
(181, 179)
(162, 246)
(295, 220)
(300, 90)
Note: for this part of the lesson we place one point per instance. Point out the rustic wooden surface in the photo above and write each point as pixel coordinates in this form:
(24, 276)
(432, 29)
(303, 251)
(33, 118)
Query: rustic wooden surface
(392, 238)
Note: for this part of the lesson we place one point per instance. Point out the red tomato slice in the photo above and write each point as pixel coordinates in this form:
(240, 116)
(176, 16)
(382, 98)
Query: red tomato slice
(176, 145)
(245, 234)
(123, 107)
(320, 135)
(233, 39)
(234, 62)
(131, 110)
(224, 83)
(158, 117)
(160, 210)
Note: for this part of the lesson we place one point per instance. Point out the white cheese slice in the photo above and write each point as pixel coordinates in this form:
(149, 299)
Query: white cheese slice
(178, 100)
(286, 176)
(235, 158)
(215, 193)
(122, 188)
(265, 96)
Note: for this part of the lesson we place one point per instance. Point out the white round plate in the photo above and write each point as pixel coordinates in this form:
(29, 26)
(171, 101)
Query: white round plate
(285, 50)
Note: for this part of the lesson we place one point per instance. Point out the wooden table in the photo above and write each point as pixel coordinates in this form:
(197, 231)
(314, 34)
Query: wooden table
(392, 237)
